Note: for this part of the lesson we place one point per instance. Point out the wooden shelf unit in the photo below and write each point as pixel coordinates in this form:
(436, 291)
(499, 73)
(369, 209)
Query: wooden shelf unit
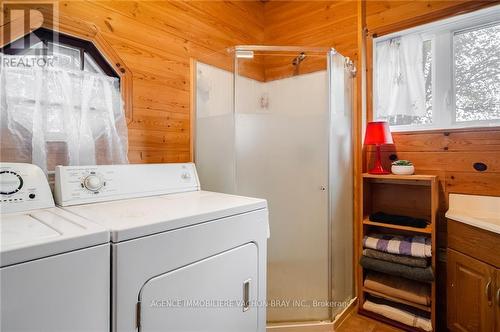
(410, 195)
(426, 230)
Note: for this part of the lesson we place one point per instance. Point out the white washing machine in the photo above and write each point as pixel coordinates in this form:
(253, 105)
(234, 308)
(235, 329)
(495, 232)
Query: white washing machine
(182, 259)
(54, 270)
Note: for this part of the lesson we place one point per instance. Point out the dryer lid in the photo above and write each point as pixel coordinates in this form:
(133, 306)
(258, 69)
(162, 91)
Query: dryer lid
(41, 233)
(133, 218)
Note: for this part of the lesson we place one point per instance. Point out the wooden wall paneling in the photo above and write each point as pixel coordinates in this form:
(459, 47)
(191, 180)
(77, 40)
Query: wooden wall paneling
(387, 16)
(150, 119)
(473, 183)
(309, 23)
(307, 17)
(447, 161)
(280, 66)
(174, 19)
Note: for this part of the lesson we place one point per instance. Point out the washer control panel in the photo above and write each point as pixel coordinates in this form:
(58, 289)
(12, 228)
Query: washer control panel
(89, 184)
(23, 187)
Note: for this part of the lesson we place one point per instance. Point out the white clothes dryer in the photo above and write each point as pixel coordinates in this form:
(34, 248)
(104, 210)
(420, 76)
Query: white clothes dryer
(183, 259)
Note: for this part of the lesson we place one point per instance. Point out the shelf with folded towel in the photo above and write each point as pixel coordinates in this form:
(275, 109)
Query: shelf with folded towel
(397, 250)
(398, 300)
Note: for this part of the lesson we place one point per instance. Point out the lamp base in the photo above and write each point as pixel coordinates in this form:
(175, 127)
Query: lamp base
(378, 171)
(377, 168)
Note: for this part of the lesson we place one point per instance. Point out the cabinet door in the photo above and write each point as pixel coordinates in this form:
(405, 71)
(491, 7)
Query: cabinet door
(216, 294)
(470, 294)
(497, 296)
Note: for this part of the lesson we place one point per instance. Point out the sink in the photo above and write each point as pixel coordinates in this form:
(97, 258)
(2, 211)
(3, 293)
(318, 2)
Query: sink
(478, 211)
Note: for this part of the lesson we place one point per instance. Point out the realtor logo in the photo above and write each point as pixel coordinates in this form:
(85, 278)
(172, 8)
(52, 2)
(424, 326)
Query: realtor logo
(20, 18)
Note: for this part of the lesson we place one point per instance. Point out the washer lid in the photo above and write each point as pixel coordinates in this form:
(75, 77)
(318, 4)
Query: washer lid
(133, 218)
(40, 233)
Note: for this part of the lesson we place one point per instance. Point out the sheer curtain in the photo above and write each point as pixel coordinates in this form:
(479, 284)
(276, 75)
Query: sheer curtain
(53, 115)
(400, 84)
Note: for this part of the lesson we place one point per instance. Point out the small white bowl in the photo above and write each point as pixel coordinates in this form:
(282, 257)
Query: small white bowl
(402, 170)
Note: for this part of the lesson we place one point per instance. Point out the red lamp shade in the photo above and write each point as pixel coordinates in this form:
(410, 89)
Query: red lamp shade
(378, 133)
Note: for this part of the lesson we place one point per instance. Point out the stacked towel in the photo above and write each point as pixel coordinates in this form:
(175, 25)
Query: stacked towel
(405, 271)
(415, 246)
(400, 288)
(407, 308)
(397, 313)
(398, 220)
(400, 259)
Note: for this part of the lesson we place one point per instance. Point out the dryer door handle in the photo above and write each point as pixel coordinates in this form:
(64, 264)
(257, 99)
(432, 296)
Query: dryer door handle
(246, 295)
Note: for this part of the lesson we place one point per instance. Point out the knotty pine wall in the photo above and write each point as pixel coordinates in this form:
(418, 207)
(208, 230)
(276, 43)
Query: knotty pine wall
(309, 23)
(156, 40)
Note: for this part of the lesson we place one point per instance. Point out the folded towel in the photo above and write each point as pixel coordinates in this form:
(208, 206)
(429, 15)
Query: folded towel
(399, 270)
(401, 288)
(398, 220)
(400, 259)
(397, 305)
(399, 315)
(415, 246)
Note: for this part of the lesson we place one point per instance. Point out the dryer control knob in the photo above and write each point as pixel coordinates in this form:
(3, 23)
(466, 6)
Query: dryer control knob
(93, 182)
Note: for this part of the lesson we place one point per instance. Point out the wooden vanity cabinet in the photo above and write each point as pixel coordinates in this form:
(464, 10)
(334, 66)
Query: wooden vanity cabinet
(470, 293)
(473, 279)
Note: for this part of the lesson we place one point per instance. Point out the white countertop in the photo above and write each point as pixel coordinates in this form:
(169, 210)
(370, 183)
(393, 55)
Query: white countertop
(478, 211)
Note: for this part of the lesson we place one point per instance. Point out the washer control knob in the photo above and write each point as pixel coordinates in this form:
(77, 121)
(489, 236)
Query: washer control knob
(92, 182)
(186, 176)
(10, 182)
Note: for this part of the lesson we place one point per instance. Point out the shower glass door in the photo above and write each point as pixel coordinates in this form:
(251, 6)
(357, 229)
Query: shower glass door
(281, 144)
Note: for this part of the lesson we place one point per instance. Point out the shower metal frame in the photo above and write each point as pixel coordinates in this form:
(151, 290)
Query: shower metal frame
(328, 53)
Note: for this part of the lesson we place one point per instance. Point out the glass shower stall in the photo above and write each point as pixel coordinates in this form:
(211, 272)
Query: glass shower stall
(275, 123)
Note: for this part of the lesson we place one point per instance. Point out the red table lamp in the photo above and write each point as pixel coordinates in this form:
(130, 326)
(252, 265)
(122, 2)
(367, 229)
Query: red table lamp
(378, 133)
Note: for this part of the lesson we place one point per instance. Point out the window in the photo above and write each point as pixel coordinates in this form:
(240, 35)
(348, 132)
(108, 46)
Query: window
(62, 50)
(60, 103)
(441, 75)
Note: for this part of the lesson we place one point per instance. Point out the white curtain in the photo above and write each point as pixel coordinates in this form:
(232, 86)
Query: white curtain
(52, 115)
(400, 84)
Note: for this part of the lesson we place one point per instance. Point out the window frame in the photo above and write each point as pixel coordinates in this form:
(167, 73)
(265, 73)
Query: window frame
(444, 115)
(57, 38)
